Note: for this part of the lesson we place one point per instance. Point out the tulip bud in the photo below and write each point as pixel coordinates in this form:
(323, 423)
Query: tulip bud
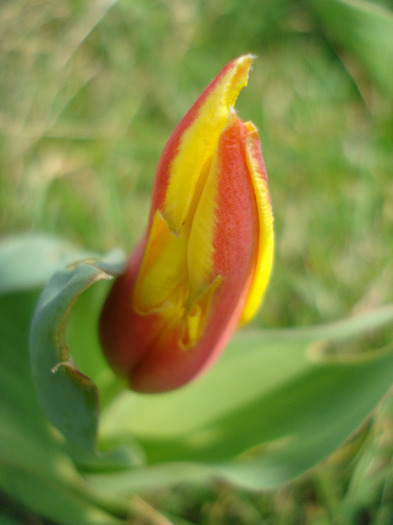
(203, 266)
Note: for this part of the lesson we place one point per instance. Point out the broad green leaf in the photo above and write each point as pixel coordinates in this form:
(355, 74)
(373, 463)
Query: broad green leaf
(69, 397)
(274, 406)
(28, 261)
(275, 402)
(364, 29)
(34, 469)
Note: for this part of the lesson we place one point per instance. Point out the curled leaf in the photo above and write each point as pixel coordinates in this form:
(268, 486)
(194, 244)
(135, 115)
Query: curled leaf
(69, 397)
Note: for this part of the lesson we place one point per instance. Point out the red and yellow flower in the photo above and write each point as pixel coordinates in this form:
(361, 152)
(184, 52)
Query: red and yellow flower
(204, 264)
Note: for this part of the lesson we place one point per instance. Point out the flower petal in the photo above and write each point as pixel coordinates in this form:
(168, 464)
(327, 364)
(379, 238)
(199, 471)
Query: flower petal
(194, 141)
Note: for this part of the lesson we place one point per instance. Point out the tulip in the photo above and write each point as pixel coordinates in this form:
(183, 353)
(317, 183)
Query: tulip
(204, 263)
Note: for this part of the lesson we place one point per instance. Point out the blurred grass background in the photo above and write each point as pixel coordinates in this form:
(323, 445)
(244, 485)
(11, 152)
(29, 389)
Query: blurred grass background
(91, 91)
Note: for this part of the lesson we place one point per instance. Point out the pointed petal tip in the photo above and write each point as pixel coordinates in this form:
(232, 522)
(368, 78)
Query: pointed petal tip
(245, 59)
(242, 65)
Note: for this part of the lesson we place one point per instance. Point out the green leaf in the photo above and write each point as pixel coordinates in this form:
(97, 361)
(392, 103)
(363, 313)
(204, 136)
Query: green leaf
(274, 406)
(69, 397)
(28, 261)
(34, 470)
(275, 402)
(364, 29)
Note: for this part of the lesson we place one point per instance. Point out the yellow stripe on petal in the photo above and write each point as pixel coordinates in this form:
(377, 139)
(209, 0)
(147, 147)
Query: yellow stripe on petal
(199, 142)
(264, 259)
(163, 271)
(200, 247)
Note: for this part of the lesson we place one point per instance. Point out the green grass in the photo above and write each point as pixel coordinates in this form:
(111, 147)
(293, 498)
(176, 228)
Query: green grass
(91, 92)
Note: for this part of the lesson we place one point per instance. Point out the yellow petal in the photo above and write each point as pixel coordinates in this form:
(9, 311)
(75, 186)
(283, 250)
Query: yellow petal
(264, 260)
(163, 270)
